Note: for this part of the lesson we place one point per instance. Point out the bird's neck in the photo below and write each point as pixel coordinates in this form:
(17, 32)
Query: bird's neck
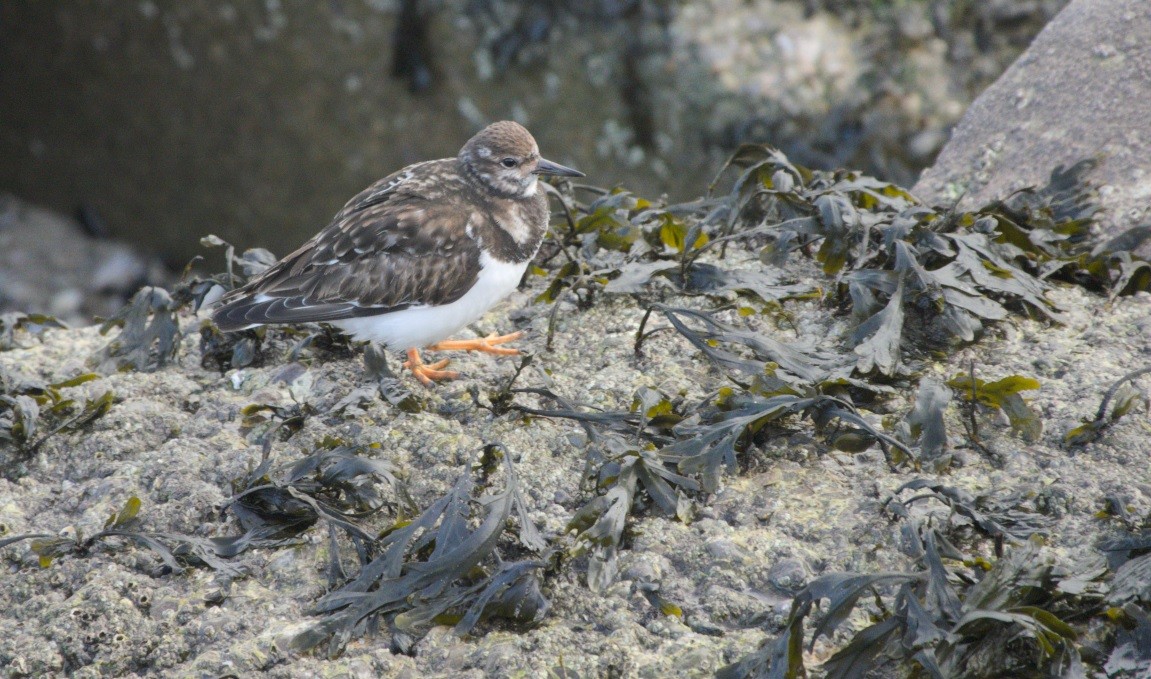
(517, 227)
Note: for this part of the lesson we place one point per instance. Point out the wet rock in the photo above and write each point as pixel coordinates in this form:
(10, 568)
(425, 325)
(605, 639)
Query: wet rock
(788, 575)
(733, 579)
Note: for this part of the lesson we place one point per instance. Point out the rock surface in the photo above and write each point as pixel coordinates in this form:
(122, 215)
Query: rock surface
(1074, 94)
(795, 510)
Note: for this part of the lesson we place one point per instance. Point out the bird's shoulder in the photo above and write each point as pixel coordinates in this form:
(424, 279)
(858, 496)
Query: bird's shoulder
(419, 211)
(431, 180)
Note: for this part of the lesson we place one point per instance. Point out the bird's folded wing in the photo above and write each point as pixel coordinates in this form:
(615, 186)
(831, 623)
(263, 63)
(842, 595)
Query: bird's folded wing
(385, 251)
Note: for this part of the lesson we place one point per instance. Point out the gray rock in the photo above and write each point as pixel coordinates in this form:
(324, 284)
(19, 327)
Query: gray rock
(49, 265)
(732, 579)
(788, 575)
(1078, 92)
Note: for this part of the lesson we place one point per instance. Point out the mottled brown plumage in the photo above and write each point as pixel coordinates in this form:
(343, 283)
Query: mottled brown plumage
(444, 234)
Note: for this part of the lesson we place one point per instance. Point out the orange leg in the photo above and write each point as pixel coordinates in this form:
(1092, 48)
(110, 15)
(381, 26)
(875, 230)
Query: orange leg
(484, 344)
(426, 372)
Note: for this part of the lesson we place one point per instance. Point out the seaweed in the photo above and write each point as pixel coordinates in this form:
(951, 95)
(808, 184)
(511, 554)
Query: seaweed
(1126, 399)
(336, 483)
(705, 446)
(234, 349)
(389, 387)
(799, 367)
(913, 277)
(436, 568)
(924, 424)
(998, 620)
(622, 244)
(1002, 395)
(150, 332)
(252, 262)
(654, 451)
(1009, 518)
(900, 261)
(222, 350)
(911, 280)
(1131, 655)
(31, 412)
(599, 525)
(32, 324)
(269, 418)
(149, 337)
(177, 552)
(1023, 614)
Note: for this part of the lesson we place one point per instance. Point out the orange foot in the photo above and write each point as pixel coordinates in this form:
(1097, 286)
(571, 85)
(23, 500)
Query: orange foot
(426, 372)
(485, 344)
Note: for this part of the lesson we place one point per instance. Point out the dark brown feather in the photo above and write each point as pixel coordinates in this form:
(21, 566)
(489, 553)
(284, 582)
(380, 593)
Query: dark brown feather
(401, 242)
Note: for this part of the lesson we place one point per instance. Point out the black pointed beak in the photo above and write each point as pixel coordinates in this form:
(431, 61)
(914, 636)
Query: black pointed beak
(545, 166)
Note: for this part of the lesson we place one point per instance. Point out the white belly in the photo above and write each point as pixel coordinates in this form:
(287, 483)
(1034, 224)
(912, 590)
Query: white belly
(420, 326)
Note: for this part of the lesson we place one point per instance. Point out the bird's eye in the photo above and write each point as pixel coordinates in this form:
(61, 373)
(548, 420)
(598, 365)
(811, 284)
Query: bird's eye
(509, 162)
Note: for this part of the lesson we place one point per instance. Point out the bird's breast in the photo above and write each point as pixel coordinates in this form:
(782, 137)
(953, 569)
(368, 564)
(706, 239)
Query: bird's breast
(497, 279)
(521, 225)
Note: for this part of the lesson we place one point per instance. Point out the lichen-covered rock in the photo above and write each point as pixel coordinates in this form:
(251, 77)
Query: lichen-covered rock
(691, 597)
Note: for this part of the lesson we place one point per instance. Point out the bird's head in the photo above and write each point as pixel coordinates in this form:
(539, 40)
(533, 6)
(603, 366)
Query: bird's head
(504, 158)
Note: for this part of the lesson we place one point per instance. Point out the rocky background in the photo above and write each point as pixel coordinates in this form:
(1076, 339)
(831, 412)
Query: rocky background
(1036, 117)
(256, 120)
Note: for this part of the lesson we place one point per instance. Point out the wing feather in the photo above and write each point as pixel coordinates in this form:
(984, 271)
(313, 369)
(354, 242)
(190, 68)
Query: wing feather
(400, 243)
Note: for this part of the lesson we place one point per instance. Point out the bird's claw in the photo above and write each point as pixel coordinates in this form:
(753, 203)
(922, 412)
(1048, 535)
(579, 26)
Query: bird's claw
(427, 373)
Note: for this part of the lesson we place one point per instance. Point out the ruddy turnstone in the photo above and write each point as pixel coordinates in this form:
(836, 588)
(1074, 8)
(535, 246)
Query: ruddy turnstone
(416, 256)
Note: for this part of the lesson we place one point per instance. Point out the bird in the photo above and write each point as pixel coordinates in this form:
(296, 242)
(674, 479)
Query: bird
(416, 256)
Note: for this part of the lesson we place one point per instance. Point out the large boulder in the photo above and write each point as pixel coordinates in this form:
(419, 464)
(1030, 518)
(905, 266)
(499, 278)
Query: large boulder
(1079, 92)
(178, 438)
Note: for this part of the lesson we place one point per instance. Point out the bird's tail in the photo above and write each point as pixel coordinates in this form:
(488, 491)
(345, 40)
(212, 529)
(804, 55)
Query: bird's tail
(236, 315)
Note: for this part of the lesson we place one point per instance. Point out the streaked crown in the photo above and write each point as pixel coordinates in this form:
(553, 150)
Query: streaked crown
(505, 137)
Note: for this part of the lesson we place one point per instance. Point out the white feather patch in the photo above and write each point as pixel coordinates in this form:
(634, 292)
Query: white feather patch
(420, 326)
(517, 227)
